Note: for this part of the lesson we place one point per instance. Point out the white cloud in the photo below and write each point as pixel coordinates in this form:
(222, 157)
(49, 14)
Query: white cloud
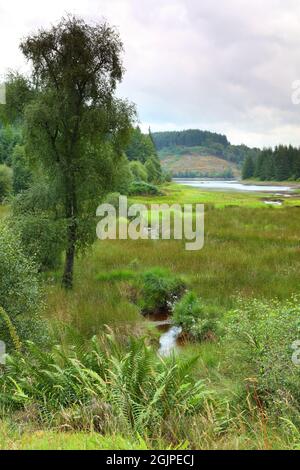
(224, 66)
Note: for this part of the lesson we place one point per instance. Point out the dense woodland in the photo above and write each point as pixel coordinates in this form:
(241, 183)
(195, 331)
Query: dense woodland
(188, 138)
(282, 163)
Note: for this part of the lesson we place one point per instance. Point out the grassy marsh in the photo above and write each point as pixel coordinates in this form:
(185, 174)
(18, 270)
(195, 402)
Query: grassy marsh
(251, 251)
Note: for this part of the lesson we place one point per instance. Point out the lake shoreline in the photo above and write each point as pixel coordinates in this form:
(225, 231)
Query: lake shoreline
(237, 185)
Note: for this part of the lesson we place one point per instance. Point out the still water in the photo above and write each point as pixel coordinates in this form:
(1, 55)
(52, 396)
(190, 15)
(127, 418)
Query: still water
(230, 185)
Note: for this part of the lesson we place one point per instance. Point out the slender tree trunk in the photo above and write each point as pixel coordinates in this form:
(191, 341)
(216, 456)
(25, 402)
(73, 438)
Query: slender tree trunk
(71, 214)
(67, 280)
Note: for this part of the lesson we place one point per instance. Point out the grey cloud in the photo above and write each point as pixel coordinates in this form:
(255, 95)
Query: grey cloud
(225, 66)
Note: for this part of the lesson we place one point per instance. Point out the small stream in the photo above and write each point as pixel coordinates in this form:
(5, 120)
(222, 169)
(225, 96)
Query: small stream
(169, 339)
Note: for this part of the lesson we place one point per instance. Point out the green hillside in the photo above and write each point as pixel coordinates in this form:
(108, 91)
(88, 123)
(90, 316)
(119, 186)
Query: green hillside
(193, 161)
(201, 153)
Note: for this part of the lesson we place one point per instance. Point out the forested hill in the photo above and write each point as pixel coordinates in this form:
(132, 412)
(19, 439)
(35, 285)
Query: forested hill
(188, 138)
(194, 152)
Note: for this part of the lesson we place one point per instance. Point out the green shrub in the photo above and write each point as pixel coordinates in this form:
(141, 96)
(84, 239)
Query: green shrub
(259, 338)
(141, 188)
(154, 170)
(166, 176)
(105, 383)
(42, 239)
(41, 233)
(21, 172)
(194, 317)
(20, 292)
(6, 180)
(138, 171)
(159, 289)
(122, 177)
(113, 199)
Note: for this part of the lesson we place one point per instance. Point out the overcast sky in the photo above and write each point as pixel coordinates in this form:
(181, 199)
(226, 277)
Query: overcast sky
(226, 66)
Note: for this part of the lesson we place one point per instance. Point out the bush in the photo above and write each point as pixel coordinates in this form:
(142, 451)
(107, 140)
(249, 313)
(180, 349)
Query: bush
(260, 336)
(143, 189)
(21, 173)
(6, 180)
(42, 239)
(154, 170)
(194, 318)
(138, 171)
(41, 233)
(159, 289)
(113, 199)
(122, 178)
(20, 293)
(166, 176)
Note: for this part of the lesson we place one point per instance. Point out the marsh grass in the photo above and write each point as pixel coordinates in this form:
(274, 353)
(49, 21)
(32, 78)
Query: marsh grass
(22, 437)
(248, 252)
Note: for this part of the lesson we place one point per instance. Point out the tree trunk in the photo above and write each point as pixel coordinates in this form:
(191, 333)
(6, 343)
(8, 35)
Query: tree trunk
(71, 217)
(67, 280)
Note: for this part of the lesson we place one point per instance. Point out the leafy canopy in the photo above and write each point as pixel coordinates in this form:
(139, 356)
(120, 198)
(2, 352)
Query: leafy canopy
(75, 127)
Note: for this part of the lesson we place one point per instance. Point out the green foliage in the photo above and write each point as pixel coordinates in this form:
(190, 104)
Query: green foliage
(166, 176)
(107, 381)
(280, 164)
(19, 92)
(227, 173)
(41, 231)
(260, 335)
(143, 189)
(239, 153)
(21, 173)
(159, 289)
(188, 138)
(6, 181)
(11, 329)
(141, 150)
(194, 317)
(75, 127)
(138, 171)
(122, 176)
(248, 168)
(140, 147)
(154, 170)
(20, 291)
(10, 136)
(113, 199)
(42, 238)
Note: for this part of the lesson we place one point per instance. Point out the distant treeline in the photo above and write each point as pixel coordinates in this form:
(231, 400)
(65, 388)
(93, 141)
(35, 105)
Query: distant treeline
(280, 164)
(188, 138)
(205, 142)
(227, 173)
